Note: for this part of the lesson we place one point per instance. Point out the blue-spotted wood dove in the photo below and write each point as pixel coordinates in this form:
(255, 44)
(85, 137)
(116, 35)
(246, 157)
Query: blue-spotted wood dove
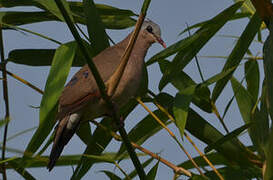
(81, 100)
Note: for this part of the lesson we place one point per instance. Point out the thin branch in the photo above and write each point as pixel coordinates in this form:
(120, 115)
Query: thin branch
(176, 169)
(171, 134)
(204, 157)
(6, 99)
(189, 139)
(24, 82)
(217, 114)
(196, 59)
(115, 78)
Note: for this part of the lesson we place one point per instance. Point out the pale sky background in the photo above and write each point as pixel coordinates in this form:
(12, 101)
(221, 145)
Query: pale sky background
(172, 17)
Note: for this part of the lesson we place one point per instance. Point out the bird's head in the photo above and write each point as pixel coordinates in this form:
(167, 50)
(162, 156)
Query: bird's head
(151, 31)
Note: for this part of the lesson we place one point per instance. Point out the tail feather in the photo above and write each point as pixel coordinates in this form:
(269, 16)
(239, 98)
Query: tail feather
(64, 132)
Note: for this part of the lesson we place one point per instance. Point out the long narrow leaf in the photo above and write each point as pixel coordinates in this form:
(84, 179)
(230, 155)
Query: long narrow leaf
(227, 137)
(238, 52)
(96, 30)
(181, 105)
(252, 75)
(249, 113)
(62, 61)
(190, 46)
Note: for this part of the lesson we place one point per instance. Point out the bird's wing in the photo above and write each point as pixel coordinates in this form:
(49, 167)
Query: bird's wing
(82, 88)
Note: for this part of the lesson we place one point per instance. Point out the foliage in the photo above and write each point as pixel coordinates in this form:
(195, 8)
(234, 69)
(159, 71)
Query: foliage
(232, 158)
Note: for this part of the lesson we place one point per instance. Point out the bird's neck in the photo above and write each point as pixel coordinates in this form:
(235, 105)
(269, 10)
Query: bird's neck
(140, 48)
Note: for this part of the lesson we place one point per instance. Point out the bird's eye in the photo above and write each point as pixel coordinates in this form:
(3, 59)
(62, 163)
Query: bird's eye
(149, 29)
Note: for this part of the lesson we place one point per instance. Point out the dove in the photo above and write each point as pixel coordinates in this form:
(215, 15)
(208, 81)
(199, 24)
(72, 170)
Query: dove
(81, 100)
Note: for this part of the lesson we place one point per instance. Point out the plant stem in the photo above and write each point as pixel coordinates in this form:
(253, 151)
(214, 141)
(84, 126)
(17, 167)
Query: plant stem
(176, 169)
(6, 99)
(171, 134)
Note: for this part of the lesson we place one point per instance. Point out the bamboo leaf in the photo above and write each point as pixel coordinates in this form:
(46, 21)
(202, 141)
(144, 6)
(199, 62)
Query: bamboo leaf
(252, 75)
(227, 137)
(236, 16)
(43, 57)
(250, 113)
(51, 6)
(269, 157)
(268, 65)
(112, 18)
(24, 173)
(204, 131)
(231, 173)
(190, 46)
(152, 173)
(181, 81)
(238, 52)
(182, 102)
(111, 175)
(215, 158)
(62, 61)
(96, 30)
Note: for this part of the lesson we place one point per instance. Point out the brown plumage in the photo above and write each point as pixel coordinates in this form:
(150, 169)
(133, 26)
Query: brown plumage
(80, 100)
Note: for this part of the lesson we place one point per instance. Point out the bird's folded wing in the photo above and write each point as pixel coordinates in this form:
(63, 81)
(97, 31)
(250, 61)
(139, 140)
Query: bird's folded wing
(83, 87)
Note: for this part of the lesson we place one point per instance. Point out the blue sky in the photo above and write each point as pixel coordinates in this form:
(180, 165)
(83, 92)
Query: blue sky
(172, 17)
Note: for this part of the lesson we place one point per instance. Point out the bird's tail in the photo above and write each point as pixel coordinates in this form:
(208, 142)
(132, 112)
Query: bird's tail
(64, 132)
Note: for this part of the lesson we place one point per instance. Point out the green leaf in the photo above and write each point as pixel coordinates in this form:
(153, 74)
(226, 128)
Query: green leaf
(95, 28)
(264, 116)
(236, 16)
(111, 175)
(227, 137)
(204, 131)
(181, 81)
(62, 61)
(231, 173)
(190, 46)
(9, 4)
(51, 6)
(238, 52)
(32, 32)
(152, 173)
(112, 18)
(20, 170)
(252, 75)
(244, 100)
(145, 164)
(43, 57)
(268, 65)
(269, 158)
(172, 49)
(215, 158)
(181, 105)
(249, 112)
(20, 133)
(84, 132)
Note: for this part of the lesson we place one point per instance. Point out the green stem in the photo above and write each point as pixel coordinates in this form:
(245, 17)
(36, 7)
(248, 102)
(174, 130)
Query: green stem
(6, 99)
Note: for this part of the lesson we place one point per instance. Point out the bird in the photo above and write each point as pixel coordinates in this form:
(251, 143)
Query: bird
(81, 100)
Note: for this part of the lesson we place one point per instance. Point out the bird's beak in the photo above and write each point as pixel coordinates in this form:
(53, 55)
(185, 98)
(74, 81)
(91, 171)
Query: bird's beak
(160, 41)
